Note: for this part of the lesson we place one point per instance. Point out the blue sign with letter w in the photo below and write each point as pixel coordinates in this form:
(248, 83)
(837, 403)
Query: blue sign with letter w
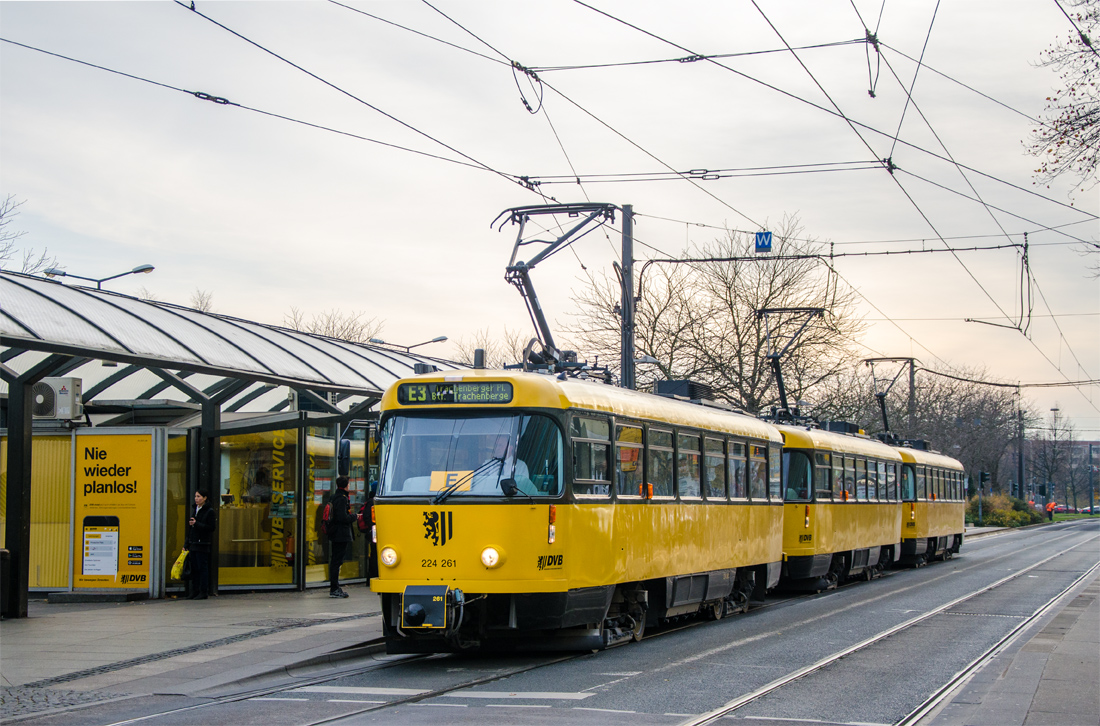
(763, 242)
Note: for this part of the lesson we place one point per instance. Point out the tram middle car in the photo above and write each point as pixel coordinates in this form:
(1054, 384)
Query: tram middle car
(518, 510)
(842, 516)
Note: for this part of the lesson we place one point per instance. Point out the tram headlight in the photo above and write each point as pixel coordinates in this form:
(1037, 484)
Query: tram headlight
(388, 556)
(491, 557)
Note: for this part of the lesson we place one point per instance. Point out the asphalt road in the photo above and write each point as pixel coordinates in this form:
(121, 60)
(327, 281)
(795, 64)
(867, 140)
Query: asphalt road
(679, 674)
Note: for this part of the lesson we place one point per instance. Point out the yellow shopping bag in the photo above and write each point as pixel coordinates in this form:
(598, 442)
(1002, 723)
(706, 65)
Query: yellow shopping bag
(177, 568)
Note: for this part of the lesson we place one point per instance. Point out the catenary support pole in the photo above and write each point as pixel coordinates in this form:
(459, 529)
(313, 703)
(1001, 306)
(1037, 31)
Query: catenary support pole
(627, 352)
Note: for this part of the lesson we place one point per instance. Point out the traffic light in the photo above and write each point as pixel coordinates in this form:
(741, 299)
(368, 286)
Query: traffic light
(1042, 490)
(983, 477)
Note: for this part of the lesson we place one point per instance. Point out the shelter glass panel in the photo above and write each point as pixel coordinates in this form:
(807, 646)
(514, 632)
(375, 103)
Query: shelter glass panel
(176, 509)
(256, 522)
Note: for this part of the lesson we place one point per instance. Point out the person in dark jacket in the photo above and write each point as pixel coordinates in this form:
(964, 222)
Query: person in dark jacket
(200, 535)
(340, 535)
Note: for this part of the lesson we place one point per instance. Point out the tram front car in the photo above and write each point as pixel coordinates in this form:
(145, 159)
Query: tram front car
(494, 531)
(465, 516)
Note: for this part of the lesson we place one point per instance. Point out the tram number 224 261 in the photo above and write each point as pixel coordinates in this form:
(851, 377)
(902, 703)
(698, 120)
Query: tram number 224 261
(438, 563)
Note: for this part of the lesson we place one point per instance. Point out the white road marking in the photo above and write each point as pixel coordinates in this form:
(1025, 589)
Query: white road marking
(604, 710)
(520, 694)
(362, 690)
(264, 698)
(512, 705)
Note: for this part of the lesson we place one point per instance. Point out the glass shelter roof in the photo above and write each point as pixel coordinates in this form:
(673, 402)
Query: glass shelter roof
(126, 337)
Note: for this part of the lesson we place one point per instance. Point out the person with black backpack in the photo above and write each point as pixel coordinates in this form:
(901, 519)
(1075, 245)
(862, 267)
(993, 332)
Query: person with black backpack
(338, 528)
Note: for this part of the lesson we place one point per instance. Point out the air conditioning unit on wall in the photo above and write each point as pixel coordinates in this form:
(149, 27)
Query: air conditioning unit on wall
(57, 398)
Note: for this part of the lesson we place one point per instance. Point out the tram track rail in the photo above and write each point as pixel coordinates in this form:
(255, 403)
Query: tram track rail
(707, 718)
(744, 700)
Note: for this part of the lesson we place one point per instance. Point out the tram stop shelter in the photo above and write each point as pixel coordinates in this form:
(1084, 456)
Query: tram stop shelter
(126, 407)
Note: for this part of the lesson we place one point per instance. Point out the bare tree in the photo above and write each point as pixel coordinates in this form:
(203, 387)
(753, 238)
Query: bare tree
(699, 319)
(30, 260)
(499, 352)
(1067, 141)
(145, 293)
(1050, 455)
(202, 300)
(335, 324)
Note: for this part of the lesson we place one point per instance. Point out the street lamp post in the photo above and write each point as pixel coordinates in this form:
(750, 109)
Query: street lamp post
(438, 339)
(139, 270)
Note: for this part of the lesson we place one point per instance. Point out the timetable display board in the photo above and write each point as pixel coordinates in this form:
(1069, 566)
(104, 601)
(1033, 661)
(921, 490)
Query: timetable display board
(431, 394)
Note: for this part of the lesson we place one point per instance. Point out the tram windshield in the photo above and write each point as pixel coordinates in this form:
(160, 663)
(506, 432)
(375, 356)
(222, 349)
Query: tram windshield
(462, 456)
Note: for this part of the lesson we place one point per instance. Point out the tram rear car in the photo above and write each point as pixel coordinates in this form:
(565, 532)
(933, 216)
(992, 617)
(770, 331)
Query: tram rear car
(934, 506)
(842, 511)
(517, 510)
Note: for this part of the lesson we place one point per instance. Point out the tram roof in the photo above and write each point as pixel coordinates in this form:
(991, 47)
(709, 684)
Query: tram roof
(800, 437)
(545, 391)
(929, 458)
(117, 342)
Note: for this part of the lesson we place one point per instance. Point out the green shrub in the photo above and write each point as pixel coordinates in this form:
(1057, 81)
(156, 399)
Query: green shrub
(1001, 510)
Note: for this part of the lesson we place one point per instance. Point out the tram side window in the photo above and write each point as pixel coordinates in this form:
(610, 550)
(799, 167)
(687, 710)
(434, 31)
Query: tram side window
(935, 484)
(539, 448)
(688, 472)
(822, 480)
(861, 480)
(908, 483)
(660, 463)
(958, 487)
(850, 476)
(628, 461)
(775, 473)
(796, 472)
(591, 449)
(892, 481)
(737, 470)
(758, 473)
(883, 490)
(714, 469)
(839, 492)
(922, 489)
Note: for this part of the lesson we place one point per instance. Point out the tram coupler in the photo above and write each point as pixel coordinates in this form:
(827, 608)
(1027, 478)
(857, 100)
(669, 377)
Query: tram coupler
(431, 607)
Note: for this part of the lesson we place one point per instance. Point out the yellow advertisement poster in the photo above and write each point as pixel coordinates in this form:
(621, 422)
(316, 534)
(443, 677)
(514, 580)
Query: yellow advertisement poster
(113, 501)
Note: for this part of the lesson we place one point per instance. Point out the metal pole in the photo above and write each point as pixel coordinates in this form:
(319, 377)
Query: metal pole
(1092, 484)
(912, 398)
(1020, 453)
(627, 353)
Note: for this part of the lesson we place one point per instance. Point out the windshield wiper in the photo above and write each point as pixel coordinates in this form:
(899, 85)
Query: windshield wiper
(439, 498)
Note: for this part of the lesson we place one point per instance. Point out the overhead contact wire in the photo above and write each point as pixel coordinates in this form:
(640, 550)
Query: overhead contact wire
(351, 95)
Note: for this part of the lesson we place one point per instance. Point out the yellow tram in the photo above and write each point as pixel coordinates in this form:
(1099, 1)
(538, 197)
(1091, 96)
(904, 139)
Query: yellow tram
(519, 509)
(934, 506)
(842, 512)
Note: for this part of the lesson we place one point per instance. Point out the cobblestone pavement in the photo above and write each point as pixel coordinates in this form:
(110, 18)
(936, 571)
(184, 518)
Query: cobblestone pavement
(22, 701)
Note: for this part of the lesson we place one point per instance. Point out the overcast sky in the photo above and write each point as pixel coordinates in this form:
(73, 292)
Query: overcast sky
(265, 213)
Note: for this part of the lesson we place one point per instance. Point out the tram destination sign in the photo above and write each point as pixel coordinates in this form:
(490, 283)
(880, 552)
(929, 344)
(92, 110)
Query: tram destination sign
(427, 394)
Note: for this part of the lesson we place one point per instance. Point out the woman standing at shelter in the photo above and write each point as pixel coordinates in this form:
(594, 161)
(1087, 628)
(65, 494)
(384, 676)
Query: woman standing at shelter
(200, 535)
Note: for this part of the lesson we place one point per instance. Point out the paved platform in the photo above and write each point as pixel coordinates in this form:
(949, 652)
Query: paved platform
(66, 654)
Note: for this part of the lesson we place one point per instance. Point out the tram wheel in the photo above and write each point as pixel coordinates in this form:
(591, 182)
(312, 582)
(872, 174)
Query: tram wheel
(715, 610)
(638, 631)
